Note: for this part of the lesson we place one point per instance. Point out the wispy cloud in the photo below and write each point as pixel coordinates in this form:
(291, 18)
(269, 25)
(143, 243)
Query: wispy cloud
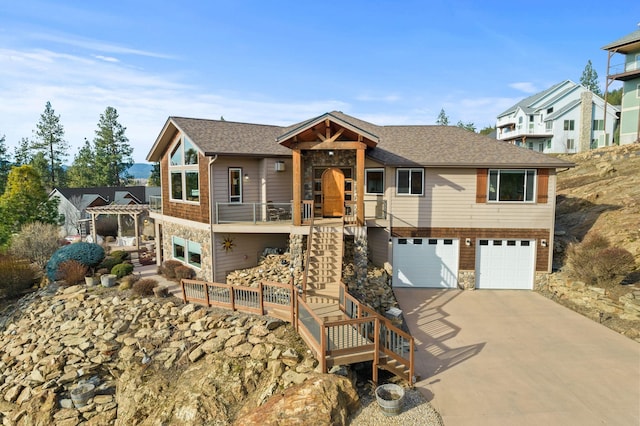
(106, 58)
(391, 98)
(96, 45)
(524, 86)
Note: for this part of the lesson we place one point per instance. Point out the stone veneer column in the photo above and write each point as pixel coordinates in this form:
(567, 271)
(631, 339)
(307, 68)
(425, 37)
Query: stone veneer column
(586, 121)
(467, 280)
(296, 249)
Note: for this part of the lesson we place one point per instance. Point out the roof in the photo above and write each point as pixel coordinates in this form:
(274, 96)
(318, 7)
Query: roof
(429, 146)
(626, 44)
(526, 103)
(111, 194)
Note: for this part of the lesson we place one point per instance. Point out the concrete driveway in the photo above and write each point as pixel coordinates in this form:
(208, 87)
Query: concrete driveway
(513, 357)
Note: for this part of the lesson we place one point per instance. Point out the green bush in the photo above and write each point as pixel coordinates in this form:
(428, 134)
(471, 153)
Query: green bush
(184, 272)
(144, 287)
(109, 263)
(16, 276)
(87, 254)
(169, 268)
(120, 254)
(72, 272)
(595, 262)
(122, 269)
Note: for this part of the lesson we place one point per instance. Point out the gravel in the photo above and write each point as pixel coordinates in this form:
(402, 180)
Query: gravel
(416, 410)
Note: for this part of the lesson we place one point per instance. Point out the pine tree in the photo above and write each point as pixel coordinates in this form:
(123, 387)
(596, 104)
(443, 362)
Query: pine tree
(5, 164)
(112, 151)
(467, 126)
(81, 173)
(22, 153)
(154, 177)
(442, 120)
(49, 140)
(589, 79)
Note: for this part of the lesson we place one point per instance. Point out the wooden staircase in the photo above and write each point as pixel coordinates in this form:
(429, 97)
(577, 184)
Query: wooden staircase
(323, 272)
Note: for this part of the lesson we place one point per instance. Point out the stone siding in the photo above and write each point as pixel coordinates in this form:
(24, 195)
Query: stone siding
(199, 236)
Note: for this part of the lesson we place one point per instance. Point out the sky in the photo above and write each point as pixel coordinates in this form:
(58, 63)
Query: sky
(280, 61)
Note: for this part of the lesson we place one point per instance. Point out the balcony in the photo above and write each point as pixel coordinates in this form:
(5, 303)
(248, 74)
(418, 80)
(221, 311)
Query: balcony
(155, 203)
(625, 71)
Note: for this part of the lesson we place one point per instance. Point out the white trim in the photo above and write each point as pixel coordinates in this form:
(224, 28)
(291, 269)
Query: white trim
(366, 179)
(240, 178)
(410, 170)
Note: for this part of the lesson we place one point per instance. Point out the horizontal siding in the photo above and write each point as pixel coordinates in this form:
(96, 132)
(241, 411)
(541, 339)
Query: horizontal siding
(450, 201)
(279, 185)
(250, 188)
(378, 242)
(246, 252)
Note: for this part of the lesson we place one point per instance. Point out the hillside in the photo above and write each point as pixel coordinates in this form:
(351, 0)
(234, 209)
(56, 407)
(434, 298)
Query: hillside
(602, 193)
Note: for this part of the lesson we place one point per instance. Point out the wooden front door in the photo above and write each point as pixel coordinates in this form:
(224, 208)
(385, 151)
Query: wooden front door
(332, 193)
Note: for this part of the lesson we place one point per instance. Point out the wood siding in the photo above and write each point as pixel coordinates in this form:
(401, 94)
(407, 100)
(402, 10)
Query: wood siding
(198, 212)
(246, 251)
(468, 253)
(278, 185)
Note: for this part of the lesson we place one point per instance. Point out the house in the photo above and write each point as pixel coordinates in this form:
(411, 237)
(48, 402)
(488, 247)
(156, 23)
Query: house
(628, 72)
(445, 207)
(73, 203)
(565, 118)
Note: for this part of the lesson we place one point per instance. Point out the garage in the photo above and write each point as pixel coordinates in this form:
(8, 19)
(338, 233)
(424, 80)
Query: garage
(505, 264)
(425, 262)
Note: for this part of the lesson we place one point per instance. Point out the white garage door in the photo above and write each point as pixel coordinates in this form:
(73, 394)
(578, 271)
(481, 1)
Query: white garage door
(425, 262)
(507, 264)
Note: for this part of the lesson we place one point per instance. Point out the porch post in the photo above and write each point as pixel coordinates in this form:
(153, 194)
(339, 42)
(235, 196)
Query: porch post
(360, 186)
(297, 186)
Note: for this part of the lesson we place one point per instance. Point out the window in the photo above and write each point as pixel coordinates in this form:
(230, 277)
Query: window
(374, 181)
(183, 172)
(235, 185)
(531, 117)
(187, 251)
(571, 144)
(569, 124)
(548, 143)
(549, 110)
(409, 181)
(548, 126)
(512, 185)
(598, 124)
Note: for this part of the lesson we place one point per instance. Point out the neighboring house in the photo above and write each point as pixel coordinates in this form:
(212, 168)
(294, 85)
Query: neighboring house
(565, 118)
(444, 206)
(74, 202)
(628, 73)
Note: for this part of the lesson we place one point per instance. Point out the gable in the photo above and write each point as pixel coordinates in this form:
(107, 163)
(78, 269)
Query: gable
(327, 131)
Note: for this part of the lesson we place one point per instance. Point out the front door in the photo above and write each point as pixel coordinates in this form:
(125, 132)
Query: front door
(332, 193)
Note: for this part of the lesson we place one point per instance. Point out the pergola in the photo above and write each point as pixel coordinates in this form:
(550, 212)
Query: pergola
(132, 210)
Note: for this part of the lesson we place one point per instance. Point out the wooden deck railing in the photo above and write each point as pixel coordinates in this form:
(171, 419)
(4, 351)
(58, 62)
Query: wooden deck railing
(363, 335)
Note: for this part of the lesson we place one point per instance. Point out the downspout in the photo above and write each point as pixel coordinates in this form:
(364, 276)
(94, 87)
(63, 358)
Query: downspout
(211, 217)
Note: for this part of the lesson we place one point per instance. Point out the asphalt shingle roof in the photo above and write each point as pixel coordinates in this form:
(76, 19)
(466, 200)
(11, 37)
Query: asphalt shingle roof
(630, 38)
(430, 146)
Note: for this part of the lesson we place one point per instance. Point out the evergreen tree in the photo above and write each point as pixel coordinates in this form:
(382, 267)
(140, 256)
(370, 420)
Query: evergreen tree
(22, 153)
(589, 79)
(467, 126)
(487, 130)
(154, 177)
(50, 142)
(442, 120)
(5, 164)
(25, 200)
(81, 173)
(614, 97)
(112, 151)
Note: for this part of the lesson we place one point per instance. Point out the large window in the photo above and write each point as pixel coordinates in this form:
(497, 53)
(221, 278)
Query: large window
(410, 181)
(569, 124)
(598, 124)
(183, 172)
(235, 185)
(374, 181)
(187, 251)
(512, 185)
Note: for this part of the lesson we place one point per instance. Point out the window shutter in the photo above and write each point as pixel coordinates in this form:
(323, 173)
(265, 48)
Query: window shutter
(543, 186)
(481, 186)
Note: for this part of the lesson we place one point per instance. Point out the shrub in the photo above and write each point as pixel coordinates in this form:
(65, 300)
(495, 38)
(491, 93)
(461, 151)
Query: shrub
(128, 281)
(120, 254)
(169, 268)
(144, 287)
(87, 254)
(122, 269)
(596, 263)
(184, 272)
(109, 263)
(72, 272)
(36, 242)
(16, 276)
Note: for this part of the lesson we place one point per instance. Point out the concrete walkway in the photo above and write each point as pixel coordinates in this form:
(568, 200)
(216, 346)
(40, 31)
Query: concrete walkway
(510, 357)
